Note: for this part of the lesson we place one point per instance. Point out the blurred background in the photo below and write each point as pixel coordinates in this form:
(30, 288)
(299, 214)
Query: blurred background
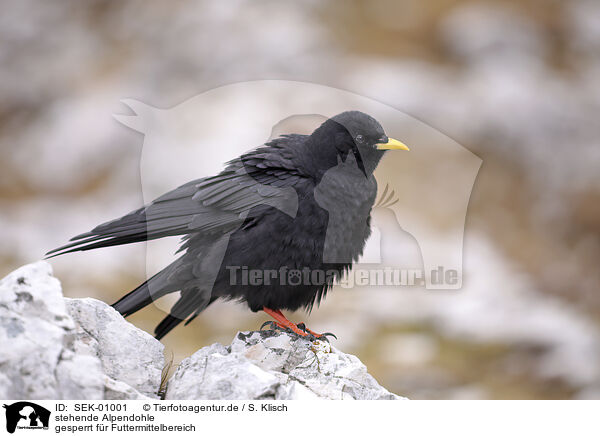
(516, 82)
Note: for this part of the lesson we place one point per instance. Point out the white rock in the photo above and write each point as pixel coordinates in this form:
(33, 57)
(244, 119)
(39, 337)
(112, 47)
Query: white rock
(273, 365)
(127, 353)
(117, 390)
(59, 348)
(45, 354)
(35, 334)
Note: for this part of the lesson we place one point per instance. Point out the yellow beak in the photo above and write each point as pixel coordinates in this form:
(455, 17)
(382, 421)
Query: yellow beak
(392, 144)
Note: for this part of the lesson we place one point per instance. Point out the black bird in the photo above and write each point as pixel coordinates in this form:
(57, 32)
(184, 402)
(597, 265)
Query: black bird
(274, 229)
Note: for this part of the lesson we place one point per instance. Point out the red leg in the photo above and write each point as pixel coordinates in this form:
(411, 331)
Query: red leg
(283, 322)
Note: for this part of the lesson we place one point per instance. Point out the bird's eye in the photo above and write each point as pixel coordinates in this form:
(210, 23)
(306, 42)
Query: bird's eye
(360, 138)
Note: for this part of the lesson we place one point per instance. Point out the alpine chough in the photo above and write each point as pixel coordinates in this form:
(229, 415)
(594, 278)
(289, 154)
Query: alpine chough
(274, 229)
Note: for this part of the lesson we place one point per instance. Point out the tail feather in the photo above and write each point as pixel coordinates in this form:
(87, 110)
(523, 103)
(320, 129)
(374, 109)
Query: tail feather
(159, 285)
(165, 326)
(192, 302)
(137, 299)
(171, 279)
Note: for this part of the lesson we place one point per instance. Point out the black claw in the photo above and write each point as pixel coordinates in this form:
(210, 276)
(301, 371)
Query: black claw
(271, 324)
(312, 337)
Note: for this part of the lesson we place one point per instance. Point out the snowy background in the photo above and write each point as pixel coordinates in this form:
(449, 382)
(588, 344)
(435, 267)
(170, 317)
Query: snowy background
(516, 82)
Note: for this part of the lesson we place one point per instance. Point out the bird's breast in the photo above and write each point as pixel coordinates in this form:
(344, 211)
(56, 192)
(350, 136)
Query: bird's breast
(348, 200)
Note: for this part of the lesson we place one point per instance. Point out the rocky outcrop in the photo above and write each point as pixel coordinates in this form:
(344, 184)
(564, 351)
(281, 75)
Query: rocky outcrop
(61, 348)
(273, 365)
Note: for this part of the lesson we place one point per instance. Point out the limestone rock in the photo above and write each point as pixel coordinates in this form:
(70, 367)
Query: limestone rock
(273, 365)
(61, 348)
(57, 348)
(127, 354)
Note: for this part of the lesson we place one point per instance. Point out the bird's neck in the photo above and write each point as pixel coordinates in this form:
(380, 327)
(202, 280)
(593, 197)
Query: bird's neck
(318, 159)
(370, 160)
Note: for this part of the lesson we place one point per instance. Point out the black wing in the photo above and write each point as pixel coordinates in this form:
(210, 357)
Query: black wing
(217, 204)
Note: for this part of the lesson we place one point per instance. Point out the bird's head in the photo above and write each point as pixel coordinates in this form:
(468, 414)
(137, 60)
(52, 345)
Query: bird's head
(357, 133)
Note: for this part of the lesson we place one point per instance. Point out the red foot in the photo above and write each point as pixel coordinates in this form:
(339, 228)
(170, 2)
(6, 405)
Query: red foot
(284, 323)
